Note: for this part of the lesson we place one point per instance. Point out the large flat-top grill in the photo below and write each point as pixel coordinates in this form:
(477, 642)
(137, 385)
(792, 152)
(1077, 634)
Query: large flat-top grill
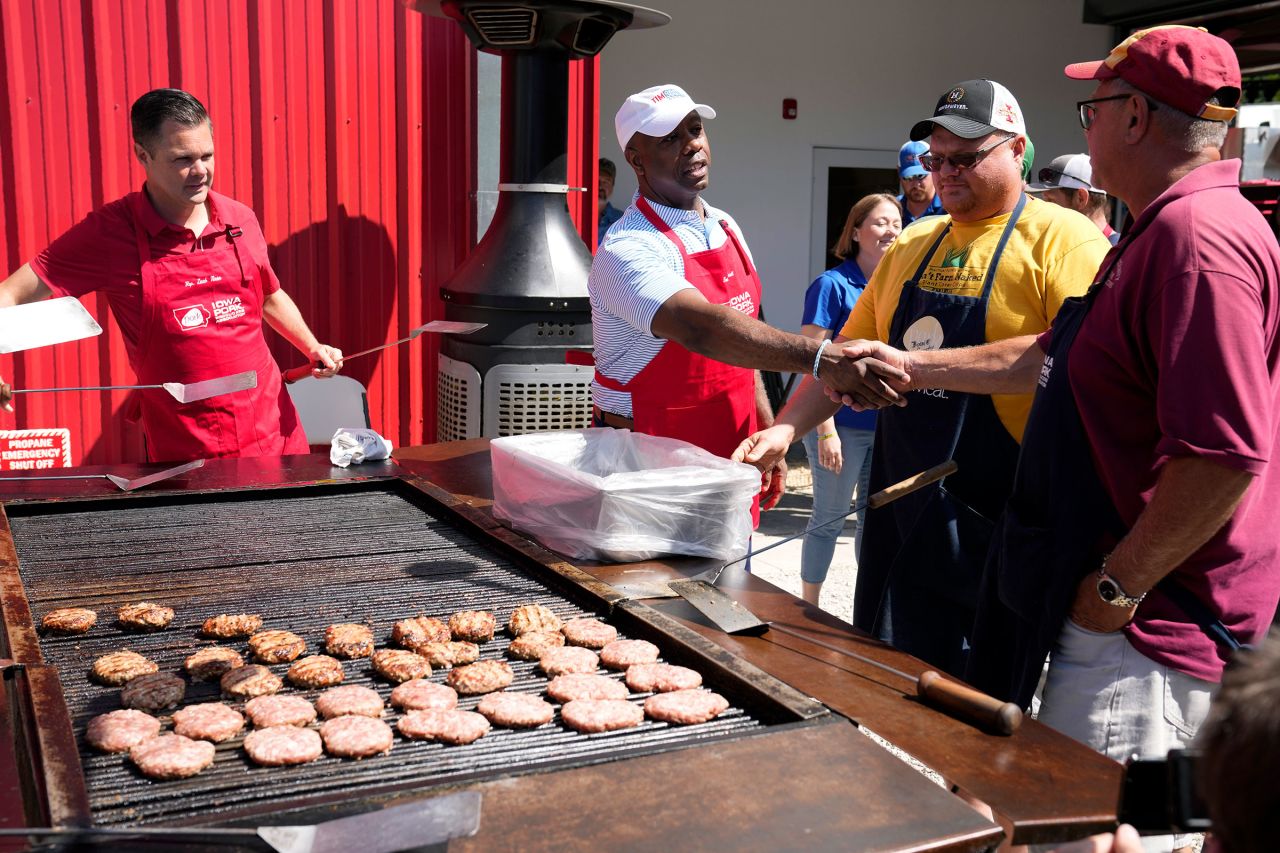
(305, 558)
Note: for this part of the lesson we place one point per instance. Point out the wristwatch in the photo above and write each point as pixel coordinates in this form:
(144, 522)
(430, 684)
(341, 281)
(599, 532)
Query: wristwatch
(1110, 591)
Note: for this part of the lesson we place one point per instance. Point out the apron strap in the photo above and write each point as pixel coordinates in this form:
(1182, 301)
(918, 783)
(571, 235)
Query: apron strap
(664, 229)
(1004, 239)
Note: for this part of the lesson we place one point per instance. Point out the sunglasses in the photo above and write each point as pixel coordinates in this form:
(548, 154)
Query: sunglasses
(1088, 112)
(967, 160)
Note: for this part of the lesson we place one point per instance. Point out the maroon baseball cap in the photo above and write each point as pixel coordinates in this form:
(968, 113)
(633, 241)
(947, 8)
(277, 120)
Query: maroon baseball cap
(1187, 68)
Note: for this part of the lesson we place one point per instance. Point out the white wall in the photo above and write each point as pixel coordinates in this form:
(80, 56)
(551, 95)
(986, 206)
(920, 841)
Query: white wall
(862, 72)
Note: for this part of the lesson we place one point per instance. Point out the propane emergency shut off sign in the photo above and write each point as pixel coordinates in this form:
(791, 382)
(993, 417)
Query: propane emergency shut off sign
(34, 449)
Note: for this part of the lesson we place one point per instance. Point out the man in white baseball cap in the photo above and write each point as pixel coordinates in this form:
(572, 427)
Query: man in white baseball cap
(1068, 182)
(675, 301)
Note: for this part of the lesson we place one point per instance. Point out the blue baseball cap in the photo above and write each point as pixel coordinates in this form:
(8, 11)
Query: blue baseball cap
(909, 159)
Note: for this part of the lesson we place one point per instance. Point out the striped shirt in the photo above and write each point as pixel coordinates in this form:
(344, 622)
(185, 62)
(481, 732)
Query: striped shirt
(635, 271)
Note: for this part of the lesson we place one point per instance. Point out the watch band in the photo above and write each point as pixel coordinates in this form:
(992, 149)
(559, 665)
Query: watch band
(1111, 592)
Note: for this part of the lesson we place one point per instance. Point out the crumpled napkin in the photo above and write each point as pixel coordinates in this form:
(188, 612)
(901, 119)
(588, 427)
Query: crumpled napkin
(357, 445)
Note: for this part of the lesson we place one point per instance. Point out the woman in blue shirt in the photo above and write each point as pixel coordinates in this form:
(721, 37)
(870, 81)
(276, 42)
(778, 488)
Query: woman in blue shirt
(840, 448)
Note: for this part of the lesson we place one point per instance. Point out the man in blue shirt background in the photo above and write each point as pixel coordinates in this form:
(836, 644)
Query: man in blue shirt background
(918, 195)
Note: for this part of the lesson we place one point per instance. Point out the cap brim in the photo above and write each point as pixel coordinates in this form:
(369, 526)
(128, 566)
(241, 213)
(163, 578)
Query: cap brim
(1096, 70)
(1039, 187)
(663, 126)
(912, 172)
(962, 127)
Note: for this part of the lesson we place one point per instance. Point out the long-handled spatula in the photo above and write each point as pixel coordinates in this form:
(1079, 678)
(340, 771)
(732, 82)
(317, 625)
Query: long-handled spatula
(183, 393)
(124, 484)
(44, 323)
(439, 327)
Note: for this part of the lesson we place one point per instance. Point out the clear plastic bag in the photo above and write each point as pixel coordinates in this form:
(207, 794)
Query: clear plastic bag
(615, 495)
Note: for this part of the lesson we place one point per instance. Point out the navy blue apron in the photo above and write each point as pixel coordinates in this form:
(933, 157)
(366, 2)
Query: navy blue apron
(922, 555)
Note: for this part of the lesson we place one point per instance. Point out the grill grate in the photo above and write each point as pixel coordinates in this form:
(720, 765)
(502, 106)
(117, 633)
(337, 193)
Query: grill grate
(302, 560)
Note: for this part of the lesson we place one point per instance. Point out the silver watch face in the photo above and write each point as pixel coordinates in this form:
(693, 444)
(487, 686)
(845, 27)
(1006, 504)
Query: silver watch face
(1108, 590)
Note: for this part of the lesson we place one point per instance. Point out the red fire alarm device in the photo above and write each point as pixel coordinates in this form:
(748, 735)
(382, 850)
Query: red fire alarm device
(789, 108)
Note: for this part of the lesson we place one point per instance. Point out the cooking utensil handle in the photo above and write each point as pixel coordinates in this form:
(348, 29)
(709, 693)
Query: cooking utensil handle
(293, 374)
(911, 484)
(965, 703)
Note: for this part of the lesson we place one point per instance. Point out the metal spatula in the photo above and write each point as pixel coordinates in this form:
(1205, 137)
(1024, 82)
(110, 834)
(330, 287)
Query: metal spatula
(44, 323)
(188, 393)
(124, 484)
(439, 327)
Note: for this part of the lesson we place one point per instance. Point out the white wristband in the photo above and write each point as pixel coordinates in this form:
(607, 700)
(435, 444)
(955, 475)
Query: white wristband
(817, 359)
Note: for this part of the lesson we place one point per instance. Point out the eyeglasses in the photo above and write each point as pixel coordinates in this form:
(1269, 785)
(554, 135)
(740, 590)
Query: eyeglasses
(915, 179)
(1088, 111)
(967, 160)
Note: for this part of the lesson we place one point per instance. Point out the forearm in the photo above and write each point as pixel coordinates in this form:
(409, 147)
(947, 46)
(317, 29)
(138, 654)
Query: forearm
(764, 409)
(1011, 366)
(732, 337)
(282, 314)
(808, 407)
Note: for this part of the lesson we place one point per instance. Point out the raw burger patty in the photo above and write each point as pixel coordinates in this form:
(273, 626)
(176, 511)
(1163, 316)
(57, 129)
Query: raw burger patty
(589, 633)
(579, 685)
(601, 715)
(535, 644)
(528, 618)
(355, 737)
(400, 665)
(145, 616)
(447, 726)
(661, 678)
(422, 695)
(516, 710)
(485, 676)
(68, 620)
(120, 667)
(153, 692)
(121, 730)
(254, 679)
(452, 653)
(621, 654)
(276, 646)
(212, 721)
(315, 671)
(212, 663)
(280, 745)
(349, 700)
(474, 626)
(227, 626)
(419, 629)
(348, 640)
(569, 659)
(270, 711)
(685, 707)
(172, 756)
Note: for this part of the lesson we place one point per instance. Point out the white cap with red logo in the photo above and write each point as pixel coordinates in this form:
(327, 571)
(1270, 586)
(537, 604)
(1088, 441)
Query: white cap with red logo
(655, 112)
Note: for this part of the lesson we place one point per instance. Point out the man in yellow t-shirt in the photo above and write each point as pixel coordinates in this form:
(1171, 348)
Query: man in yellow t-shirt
(998, 266)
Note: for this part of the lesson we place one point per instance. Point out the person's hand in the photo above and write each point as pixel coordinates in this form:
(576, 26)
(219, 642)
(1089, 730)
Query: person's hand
(829, 452)
(864, 383)
(1090, 612)
(6, 396)
(880, 351)
(1125, 840)
(329, 357)
(773, 483)
(765, 448)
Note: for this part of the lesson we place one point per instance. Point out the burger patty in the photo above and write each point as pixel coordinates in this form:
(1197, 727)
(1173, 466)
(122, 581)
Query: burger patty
(621, 654)
(271, 711)
(276, 646)
(145, 616)
(68, 620)
(120, 667)
(355, 737)
(399, 665)
(569, 659)
(516, 710)
(277, 746)
(118, 731)
(250, 680)
(535, 644)
(601, 715)
(172, 756)
(419, 629)
(661, 678)
(474, 626)
(211, 721)
(445, 726)
(348, 640)
(578, 685)
(228, 626)
(350, 700)
(315, 671)
(589, 633)
(685, 707)
(484, 676)
(210, 664)
(528, 618)
(422, 695)
(452, 653)
(153, 692)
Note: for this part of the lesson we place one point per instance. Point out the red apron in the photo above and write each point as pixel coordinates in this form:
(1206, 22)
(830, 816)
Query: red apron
(202, 319)
(687, 396)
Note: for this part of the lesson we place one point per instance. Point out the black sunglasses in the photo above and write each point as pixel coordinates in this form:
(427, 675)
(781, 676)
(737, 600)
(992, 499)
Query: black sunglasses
(1088, 111)
(967, 160)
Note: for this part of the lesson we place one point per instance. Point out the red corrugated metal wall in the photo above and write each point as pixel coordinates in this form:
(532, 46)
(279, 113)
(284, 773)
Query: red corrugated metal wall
(346, 124)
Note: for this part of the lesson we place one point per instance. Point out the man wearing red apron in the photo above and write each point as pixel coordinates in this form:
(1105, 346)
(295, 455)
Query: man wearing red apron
(186, 274)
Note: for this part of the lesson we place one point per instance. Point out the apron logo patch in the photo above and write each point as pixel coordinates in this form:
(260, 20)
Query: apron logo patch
(923, 335)
(227, 309)
(191, 317)
(744, 303)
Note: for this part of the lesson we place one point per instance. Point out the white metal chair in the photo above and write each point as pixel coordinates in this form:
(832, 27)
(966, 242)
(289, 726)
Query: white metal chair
(328, 405)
